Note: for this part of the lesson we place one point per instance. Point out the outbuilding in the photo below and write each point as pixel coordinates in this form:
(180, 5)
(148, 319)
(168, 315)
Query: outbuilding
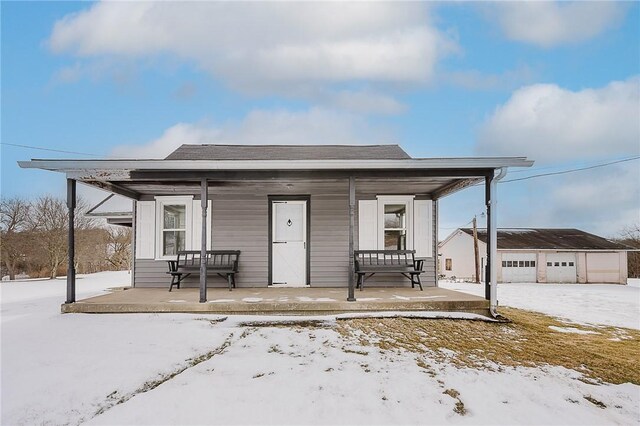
(537, 255)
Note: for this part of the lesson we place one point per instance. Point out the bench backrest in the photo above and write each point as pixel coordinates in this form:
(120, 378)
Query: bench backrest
(364, 258)
(215, 258)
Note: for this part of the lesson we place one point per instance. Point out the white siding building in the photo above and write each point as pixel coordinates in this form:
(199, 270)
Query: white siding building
(537, 255)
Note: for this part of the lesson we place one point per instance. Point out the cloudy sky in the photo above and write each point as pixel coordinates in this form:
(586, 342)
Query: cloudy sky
(557, 82)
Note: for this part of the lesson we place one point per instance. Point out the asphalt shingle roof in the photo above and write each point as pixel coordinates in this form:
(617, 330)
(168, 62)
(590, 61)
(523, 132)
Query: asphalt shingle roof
(536, 238)
(289, 152)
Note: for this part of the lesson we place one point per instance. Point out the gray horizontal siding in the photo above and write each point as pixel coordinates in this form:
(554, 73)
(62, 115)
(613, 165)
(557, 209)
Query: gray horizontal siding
(330, 240)
(240, 222)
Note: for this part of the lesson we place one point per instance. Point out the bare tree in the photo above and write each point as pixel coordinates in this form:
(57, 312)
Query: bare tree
(91, 250)
(14, 221)
(119, 247)
(630, 235)
(50, 222)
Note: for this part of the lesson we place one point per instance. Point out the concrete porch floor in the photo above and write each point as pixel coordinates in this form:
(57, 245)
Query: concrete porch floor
(280, 301)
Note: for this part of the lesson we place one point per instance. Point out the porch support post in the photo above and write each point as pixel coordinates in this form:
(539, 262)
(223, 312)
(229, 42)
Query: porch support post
(203, 244)
(487, 269)
(352, 219)
(491, 286)
(71, 269)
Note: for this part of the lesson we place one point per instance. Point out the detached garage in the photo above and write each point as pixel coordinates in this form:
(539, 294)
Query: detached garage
(537, 255)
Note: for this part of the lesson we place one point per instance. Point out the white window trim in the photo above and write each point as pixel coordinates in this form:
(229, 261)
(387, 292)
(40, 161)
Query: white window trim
(162, 201)
(395, 199)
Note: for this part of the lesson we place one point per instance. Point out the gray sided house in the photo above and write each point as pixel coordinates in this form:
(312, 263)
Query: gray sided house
(296, 213)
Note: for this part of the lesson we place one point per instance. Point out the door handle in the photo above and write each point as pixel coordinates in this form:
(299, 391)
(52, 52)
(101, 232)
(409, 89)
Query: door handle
(279, 242)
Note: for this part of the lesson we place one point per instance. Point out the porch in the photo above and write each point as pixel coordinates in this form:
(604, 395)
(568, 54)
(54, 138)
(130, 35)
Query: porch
(346, 198)
(280, 301)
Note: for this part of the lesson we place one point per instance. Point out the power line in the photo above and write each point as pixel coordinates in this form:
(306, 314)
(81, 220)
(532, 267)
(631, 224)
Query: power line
(51, 149)
(562, 172)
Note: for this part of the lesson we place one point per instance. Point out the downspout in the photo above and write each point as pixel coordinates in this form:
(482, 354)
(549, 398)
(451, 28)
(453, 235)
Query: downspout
(493, 242)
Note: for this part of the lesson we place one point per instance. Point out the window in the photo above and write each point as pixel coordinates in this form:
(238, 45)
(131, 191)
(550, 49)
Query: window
(504, 263)
(395, 226)
(556, 264)
(570, 263)
(447, 264)
(395, 222)
(174, 225)
(533, 263)
(521, 263)
(527, 264)
(549, 264)
(174, 228)
(509, 263)
(564, 263)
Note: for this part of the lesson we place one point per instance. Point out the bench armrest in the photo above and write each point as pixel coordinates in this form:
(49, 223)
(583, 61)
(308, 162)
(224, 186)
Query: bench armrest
(356, 264)
(418, 264)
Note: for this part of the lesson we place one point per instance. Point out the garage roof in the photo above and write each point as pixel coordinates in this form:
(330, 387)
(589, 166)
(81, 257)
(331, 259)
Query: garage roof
(548, 239)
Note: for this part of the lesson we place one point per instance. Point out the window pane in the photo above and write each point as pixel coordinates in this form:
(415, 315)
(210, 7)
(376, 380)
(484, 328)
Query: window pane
(504, 263)
(395, 215)
(509, 263)
(395, 240)
(556, 264)
(570, 263)
(564, 263)
(172, 242)
(549, 264)
(521, 263)
(527, 264)
(533, 263)
(175, 217)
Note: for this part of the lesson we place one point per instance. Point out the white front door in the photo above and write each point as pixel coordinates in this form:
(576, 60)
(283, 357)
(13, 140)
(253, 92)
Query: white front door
(289, 243)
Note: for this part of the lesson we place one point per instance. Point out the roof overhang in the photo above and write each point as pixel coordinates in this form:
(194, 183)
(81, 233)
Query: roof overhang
(209, 165)
(447, 175)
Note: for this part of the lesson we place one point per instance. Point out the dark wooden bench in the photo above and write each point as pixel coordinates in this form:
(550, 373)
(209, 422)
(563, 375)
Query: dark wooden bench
(402, 262)
(223, 263)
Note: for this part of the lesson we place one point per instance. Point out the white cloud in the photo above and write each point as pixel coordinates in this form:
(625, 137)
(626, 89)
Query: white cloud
(265, 46)
(601, 200)
(477, 80)
(362, 101)
(548, 24)
(313, 126)
(550, 124)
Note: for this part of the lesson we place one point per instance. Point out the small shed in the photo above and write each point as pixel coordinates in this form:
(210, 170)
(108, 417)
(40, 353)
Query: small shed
(535, 255)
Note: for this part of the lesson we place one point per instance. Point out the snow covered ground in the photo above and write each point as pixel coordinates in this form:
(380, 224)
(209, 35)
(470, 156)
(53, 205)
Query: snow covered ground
(193, 369)
(601, 304)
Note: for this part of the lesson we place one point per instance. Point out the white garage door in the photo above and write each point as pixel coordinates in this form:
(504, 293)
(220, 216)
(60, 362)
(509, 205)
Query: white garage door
(561, 268)
(603, 268)
(518, 267)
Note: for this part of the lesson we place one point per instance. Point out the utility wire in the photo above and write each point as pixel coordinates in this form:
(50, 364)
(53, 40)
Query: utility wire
(562, 172)
(51, 149)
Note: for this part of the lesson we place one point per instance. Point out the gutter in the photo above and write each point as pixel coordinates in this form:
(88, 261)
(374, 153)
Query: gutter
(493, 246)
